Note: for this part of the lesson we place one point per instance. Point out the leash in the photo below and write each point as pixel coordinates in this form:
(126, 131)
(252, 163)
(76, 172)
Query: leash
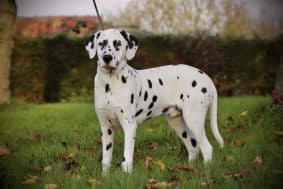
(99, 18)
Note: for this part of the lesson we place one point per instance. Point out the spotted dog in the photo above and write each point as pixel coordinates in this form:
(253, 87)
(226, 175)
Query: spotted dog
(125, 96)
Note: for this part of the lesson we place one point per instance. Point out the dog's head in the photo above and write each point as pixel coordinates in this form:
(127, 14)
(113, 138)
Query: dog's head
(113, 48)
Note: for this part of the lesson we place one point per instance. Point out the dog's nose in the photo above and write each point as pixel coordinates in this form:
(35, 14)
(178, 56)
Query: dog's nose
(107, 58)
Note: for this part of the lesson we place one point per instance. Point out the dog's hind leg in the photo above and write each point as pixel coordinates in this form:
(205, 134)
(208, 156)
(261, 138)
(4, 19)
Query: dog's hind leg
(195, 123)
(178, 124)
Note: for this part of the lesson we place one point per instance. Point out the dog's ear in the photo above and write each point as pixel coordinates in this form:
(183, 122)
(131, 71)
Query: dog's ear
(90, 44)
(132, 44)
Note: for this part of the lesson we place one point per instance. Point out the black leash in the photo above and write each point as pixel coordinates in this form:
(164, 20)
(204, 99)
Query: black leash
(99, 19)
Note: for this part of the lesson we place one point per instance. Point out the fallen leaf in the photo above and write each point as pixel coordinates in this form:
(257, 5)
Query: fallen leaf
(160, 164)
(153, 145)
(93, 182)
(239, 142)
(71, 164)
(50, 186)
(35, 137)
(187, 168)
(76, 130)
(155, 184)
(174, 179)
(244, 113)
(29, 180)
(148, 161)
(237, 128)
(4, 150)
(278, 133)
(255, 164)
(67, 156)
(229, 158)
(47, 169)
(98, 141)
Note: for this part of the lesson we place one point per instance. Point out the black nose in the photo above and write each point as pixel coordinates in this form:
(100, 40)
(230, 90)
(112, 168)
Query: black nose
(107, 58)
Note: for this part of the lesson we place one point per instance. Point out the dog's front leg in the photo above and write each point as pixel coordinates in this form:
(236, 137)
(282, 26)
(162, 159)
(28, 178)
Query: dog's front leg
(107, 136)
(129, 127)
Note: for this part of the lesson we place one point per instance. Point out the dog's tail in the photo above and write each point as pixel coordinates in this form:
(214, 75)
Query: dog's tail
(213, 119)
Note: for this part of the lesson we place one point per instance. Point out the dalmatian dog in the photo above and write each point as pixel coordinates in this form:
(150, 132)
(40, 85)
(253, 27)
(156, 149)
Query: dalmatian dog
(126, 97)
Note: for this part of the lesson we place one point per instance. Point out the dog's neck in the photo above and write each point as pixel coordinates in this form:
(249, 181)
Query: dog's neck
(115, 73)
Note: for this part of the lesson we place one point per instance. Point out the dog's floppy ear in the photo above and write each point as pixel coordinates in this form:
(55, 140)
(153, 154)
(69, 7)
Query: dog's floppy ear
(90, 44)
(132, 45)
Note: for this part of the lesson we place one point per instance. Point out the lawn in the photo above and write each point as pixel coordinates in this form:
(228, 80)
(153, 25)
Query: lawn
(58, 145)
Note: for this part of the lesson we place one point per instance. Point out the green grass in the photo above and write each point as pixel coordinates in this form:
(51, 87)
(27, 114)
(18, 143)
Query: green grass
(38, 135)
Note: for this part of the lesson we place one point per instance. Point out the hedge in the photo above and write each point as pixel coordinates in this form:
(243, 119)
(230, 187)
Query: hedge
(58, 68)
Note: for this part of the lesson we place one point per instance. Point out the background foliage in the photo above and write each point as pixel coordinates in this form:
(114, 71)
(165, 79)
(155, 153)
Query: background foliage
(58, 68)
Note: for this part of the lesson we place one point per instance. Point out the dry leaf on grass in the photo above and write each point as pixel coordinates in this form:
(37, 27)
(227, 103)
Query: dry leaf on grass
(160, 164)
(175, 179)
(29, 180)
(47, 169)
(67, 156)
(50, 186)
(93, 182)
(34, 137)
(278, 133)
(153, 145)
(188, 168)
(239, 142)
(148, 162)
(247, 170)
(4, 150)
(155, 184)
(245, 113)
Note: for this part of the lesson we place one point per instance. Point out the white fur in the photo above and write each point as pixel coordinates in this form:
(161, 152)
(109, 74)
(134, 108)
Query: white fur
(126, 97)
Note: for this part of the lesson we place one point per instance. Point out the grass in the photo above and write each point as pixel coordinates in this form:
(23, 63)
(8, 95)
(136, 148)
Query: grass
(59, 144)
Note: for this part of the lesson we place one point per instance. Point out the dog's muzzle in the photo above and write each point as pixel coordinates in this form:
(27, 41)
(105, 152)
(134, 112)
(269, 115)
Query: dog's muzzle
(107, 58)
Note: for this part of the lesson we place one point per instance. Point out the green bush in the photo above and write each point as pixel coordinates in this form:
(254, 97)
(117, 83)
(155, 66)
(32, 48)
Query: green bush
(58, 68)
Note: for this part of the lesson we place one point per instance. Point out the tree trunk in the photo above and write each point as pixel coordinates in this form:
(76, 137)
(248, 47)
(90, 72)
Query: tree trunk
(7, 20)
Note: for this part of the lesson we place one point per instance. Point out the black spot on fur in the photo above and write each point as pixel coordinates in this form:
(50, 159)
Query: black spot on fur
(139, 112)
(178, 77)
(140, 93)
(203, 90)
(145, 96)
(109, 131)
(160, 81)
(184, 134)
(123, 159)
(150, 105)
(132, 98)
(188, 96)
(149, 84)
(117, 44)
(154, 98)
(121, 111)
(107, 88)
(97, 35)
(181, 96)
(165, 110)
(124, 80)
(148, 113)
(200, 71)
(108, 146)
(194, 83)
(194, 142)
